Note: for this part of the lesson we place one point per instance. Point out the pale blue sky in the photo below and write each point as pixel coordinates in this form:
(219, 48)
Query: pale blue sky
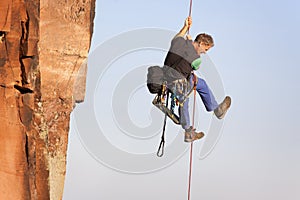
(257, 56)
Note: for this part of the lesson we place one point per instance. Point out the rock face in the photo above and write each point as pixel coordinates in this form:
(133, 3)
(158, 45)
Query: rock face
(43, 46)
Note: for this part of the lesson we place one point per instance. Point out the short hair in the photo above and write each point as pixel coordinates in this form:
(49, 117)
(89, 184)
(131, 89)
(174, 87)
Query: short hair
(205, 38)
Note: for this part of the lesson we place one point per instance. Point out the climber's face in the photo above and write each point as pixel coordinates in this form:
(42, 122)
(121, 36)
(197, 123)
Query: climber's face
(203, 47)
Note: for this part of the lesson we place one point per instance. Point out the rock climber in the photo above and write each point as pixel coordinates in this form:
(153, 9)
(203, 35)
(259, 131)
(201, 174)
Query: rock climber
(184, 56)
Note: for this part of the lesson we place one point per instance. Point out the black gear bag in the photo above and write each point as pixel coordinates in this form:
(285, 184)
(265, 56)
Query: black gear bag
(155, 78)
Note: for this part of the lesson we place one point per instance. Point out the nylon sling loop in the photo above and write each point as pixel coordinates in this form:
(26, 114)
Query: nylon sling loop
(160, 151)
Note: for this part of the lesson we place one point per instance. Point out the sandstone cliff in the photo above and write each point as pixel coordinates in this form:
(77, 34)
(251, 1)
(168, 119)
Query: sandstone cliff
(43, 44)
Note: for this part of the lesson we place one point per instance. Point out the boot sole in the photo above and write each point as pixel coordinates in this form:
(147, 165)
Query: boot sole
(227, 102)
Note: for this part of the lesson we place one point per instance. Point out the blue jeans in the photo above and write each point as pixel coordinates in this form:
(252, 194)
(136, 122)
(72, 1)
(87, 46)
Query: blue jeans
(207, 98)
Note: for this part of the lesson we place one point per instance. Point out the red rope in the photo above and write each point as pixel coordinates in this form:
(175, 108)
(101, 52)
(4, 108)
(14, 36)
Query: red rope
(190, 172)
(191, 149)
(190, 14)
(194, 82)
(191, 4)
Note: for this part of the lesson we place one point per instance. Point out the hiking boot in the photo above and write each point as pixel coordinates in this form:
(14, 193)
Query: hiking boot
(221, 110)
(191, 135)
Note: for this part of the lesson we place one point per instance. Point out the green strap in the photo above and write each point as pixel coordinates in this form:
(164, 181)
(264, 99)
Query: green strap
(196, 63)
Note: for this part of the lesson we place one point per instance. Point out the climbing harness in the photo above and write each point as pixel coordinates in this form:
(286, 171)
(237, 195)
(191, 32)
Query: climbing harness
(180, 92)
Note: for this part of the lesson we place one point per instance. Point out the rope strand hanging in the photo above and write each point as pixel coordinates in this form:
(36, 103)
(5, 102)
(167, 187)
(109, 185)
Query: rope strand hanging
(191, 5)
(193, 120)
(191, 148)
(190, 13)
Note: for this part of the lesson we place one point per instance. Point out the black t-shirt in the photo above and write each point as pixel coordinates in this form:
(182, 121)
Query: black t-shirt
(180, 56)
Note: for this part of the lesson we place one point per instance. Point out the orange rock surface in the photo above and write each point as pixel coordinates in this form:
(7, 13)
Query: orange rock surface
(43, 44)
